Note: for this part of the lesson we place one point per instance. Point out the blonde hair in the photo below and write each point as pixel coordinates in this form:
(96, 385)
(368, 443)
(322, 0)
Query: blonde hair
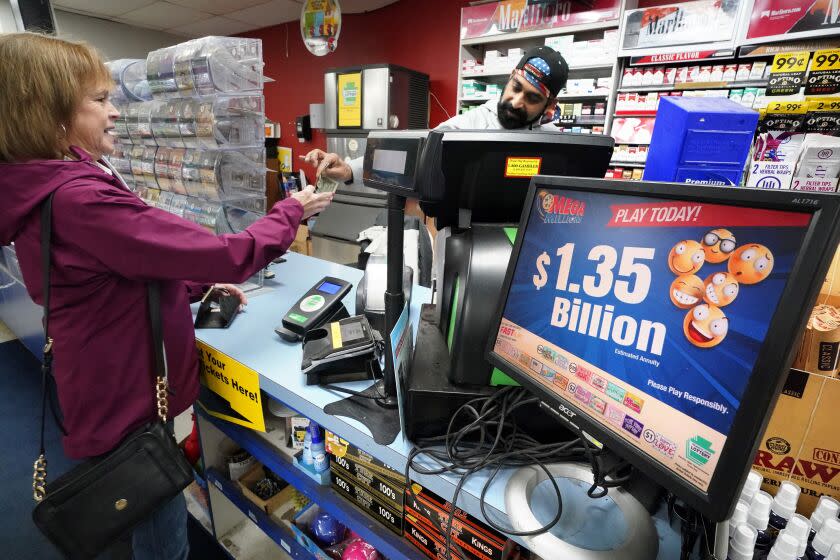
(42, 82)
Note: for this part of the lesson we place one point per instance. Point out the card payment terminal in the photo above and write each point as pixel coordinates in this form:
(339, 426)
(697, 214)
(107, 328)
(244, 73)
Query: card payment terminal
(320, 305)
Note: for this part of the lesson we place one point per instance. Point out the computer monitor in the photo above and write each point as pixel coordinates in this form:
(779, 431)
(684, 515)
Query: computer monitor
(661, 318)
(487, 172)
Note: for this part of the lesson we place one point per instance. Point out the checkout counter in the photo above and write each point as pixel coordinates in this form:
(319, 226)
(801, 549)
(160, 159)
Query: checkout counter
(596, 525)
(251, 341)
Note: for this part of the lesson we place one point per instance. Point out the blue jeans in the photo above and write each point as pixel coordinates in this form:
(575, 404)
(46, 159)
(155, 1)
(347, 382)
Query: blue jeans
(163, 536)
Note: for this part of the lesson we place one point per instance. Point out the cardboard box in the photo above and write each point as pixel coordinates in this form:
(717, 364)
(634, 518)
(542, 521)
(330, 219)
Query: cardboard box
(301, 243)
(430, 543)
(472, 535)
(340, 447)
(368, 502)
(387, 490)
(801, 443)
(255, 474)
(820, 347)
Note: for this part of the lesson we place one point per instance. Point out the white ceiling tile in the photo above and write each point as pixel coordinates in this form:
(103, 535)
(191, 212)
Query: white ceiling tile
(216, 25)
(270, 13)
(163, 15)
(218, 7)
(108, 8)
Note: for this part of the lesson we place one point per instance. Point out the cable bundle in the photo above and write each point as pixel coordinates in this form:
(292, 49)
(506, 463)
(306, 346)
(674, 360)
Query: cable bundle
(491, 439)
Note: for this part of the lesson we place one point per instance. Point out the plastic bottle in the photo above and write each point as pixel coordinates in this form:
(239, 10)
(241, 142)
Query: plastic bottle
(834, 553)
(783, 507)
(751, 486)
(739, 516)
(320, 462)
(827, 537)
(306, 458)
(799, 528)
(826, 508)
(759, 518)
(784, 548)
(742, 543)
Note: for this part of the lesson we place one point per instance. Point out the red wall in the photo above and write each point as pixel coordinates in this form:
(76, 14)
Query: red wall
(418, 34)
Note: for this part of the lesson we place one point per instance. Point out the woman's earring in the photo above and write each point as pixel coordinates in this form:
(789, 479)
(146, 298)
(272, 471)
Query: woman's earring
(63, 130)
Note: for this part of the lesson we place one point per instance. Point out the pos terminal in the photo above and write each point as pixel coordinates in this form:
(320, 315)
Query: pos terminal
(319, 305)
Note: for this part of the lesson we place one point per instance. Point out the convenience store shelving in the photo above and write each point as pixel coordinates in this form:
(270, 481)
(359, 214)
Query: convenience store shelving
(213, 431)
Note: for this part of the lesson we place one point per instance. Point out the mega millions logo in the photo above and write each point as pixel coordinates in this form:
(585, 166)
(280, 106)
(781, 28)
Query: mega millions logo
(554, 209)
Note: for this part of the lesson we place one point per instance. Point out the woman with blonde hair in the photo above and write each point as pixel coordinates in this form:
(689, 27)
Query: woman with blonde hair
(56, 125)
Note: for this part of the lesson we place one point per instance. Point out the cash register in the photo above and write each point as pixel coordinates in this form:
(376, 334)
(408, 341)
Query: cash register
(473, 183)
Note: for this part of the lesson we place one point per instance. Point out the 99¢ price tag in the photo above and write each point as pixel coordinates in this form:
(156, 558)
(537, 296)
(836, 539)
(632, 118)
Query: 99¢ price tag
(824, 77)
(826, 60)
(787, 73)
(790, 62)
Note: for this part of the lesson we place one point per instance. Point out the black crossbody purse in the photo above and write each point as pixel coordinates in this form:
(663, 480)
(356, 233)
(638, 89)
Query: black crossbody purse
(91, 506)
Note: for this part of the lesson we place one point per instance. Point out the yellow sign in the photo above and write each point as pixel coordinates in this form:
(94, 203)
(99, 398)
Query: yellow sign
(335, 329)
(790, 62)
(831, 105)
(828, 59)
(284, 156)
(350, 100)
(235, 389)
(787, 108)
(523, 166)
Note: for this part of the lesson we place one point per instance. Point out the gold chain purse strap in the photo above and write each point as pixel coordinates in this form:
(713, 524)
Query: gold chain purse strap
(161, 391)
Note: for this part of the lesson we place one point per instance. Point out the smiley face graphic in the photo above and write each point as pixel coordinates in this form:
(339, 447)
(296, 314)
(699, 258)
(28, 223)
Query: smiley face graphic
(686, 291)
(718, 244)
(705, 326)
(720, 289)
(686, 257)
(751, 263)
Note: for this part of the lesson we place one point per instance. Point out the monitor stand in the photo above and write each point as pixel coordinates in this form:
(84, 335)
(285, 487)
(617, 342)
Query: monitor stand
(615, 527)
(382, 421)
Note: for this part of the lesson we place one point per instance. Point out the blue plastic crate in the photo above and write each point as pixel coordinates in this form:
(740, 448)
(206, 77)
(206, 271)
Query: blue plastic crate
(700, 140)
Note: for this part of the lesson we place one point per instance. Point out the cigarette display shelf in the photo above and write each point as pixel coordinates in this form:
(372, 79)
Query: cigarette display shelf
(632, 164)
(539, 34)
(635, 113)
(590, 49)
(583, 120)
(692, 85)
(505, 75)
(578, 96)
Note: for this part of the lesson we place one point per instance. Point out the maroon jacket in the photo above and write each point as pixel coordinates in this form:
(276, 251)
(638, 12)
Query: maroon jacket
(107, 243)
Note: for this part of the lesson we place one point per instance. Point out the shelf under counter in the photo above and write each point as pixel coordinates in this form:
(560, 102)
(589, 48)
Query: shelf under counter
(386, 542)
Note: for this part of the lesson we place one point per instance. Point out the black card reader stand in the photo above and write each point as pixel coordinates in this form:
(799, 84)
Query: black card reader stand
(377, 409)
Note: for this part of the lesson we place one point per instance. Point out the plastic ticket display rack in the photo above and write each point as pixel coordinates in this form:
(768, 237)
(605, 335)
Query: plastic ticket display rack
(190, 132)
